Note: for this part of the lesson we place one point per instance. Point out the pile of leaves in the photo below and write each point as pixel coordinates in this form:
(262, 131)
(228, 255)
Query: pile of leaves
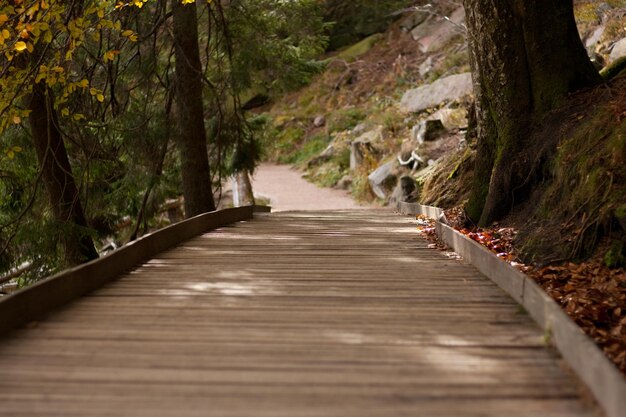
(593, 295)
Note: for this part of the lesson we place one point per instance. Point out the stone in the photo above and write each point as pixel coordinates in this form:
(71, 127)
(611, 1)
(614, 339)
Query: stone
(451, 88)
(594, 37)
(324, 156)
(428, 130)
(451, 118)
(319, 121)
(359, 150)
(412, 20)
(426, 67)
(618, 50)
(406, 191)
(344, 183)
(363, 146)
(359, 129)
(383, 179)
(441, 33)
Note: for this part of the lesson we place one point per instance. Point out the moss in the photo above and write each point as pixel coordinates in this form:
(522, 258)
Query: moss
(616, 255)
(353, 52)
(344, 119)
(311, 148)
(614, 69)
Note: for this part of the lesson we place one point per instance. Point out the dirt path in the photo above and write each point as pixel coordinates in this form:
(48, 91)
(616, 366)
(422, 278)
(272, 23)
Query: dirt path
(287, 190)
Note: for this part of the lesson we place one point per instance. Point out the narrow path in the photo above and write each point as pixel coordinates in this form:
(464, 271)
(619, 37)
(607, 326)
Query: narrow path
(333, 314)
(287, 190)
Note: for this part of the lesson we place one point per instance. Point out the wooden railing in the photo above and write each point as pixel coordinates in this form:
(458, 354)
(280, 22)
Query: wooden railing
(33, 302)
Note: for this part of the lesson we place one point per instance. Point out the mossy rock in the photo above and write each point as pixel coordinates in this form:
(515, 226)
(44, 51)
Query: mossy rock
(353, 52)
(614, 69)
(616, 256)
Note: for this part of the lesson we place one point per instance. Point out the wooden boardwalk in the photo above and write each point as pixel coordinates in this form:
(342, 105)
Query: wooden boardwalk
(333, 314)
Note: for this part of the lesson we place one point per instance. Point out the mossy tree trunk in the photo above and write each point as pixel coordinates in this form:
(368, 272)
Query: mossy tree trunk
(191, 133)
(58, 178)
(526, 57)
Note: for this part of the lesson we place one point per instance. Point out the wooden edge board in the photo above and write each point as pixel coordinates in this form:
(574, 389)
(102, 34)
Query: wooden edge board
(34, 301)
(584, 357)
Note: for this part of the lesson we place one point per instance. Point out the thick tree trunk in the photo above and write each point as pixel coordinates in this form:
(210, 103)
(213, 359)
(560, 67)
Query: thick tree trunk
(526, 57)
(191, 134)
(58, 178)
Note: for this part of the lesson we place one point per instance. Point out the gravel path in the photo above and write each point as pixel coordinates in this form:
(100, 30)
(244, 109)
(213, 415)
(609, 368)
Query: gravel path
(287, 190)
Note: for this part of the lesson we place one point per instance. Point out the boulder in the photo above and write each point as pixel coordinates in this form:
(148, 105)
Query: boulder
(618, 50)
(358, 152)
(413, 19)
(344, 183)
(426, 67)
(442, 32)
(324, 156)
(443, 90)
(594, 37)
(427, 130)
(451, 118)
(406, 191)
(363, 146)
(383, 179)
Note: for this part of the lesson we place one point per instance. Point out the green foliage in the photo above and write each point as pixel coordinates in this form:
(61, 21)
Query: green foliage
(616, 255)
(355, 20)
(345, 119)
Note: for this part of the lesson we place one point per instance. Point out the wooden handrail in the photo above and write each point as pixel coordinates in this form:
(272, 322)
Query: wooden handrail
(33, 302)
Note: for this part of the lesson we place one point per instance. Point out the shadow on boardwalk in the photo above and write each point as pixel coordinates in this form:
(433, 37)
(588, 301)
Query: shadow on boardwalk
(292, 314)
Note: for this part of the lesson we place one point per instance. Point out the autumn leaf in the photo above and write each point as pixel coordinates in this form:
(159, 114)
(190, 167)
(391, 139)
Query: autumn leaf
(20, 46)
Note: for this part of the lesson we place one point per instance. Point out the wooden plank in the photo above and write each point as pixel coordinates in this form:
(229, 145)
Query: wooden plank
(297, 314)
(30, 303)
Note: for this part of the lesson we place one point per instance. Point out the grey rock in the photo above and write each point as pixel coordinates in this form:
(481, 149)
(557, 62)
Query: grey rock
(413, 19)
(344, 183)
(319, 121)
(427, 130)
(442, 32)
(406, 191)
(324, 156)
(451, 118)
(445, 89)
(383, 179)
(426, 67)
(618, 50)
(594, 37)
(363, 146)
(359, 129)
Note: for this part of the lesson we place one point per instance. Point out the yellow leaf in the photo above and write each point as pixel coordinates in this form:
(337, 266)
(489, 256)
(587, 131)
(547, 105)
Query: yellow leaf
(93, 91)
(65, 112)
(30, 47)
(133, 38)
(17, 119)
(24, 34)
(17, 149)
(6, 34)
(188, 1)
(127, 33)
(100, 98)
(100, 13)
(83, 83)
(20, 46)
(3, 19)
(9, 56)
(78, 117)
(10, 154)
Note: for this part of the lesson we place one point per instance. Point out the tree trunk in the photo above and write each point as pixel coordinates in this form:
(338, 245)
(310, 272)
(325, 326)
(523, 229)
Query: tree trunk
(191, 134)
(242, 190)
(58, 178)
(526, 57)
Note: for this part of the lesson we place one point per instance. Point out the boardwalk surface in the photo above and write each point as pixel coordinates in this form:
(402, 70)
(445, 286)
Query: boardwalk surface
(329, 314)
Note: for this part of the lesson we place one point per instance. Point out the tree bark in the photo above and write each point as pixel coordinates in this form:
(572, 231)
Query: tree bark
(191, 134)
(526, 57)
(58, 178)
